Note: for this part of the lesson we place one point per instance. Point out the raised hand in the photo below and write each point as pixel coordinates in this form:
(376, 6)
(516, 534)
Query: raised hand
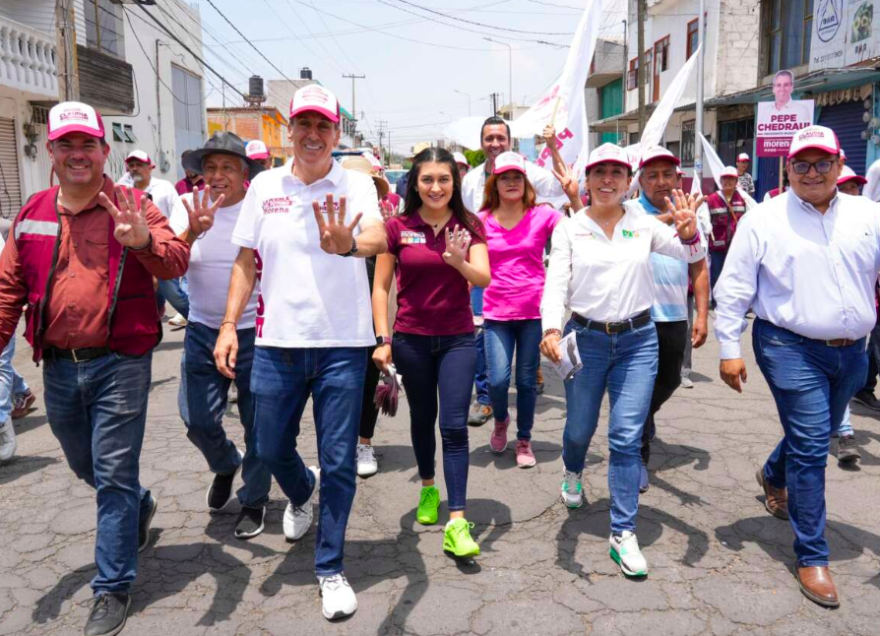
(335, 234)
(457, 244)
(201, 212)
(549, 135)
(387, 210)
(683, 208)
(566, 178)
(130, 217)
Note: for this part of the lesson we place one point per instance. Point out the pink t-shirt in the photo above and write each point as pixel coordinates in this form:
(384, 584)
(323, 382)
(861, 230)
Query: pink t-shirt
(516, 257)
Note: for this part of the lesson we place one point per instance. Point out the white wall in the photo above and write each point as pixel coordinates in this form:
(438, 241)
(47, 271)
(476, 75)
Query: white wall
(153, 120)
(40, 14)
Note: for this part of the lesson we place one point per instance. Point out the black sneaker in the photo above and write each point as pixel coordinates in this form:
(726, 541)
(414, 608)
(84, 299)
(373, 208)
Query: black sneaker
(250, 522)
(144, 525)
(220, 491)
(108, 615)
(848, 449)
(866, 398)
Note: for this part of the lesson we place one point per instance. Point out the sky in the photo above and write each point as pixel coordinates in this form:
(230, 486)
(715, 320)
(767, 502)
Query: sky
(422, 69)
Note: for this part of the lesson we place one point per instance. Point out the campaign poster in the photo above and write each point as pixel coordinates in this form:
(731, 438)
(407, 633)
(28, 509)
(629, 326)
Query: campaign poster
(845, 32)
(780, 119)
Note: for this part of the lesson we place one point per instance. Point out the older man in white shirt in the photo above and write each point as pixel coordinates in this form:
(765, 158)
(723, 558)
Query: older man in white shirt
(806, 262)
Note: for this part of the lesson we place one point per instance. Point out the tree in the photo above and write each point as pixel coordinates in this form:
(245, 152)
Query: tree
(475, 157)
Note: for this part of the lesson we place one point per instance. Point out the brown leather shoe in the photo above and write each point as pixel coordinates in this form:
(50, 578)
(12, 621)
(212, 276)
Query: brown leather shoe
(775, 499)
(816, 585)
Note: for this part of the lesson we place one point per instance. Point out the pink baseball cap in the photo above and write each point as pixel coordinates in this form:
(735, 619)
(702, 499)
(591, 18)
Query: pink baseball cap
(818, 137)
(743, 156)
(728, 171)
(69, 117)
(608, 153)
(848, 174)
(460, 159)
(315, 98)
(507, 161)
(256, 149)
(842, 154)
(139, 155)
(657, 154)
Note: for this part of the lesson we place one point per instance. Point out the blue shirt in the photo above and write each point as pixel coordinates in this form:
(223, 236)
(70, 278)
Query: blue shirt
(670, 278)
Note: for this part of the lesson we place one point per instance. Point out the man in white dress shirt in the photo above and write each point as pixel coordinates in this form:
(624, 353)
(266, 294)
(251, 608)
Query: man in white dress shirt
(806, 262)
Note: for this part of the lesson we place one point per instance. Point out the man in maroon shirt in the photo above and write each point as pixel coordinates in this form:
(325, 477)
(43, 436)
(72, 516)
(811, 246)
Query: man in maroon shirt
(82, 256)
(191, 181)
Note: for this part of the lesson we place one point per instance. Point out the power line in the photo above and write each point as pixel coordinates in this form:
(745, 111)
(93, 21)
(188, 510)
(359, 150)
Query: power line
(480, 24)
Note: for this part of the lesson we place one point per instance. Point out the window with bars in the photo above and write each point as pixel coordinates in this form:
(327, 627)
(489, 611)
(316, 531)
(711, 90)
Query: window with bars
(788, 33)
(104, 27)
(688, 137)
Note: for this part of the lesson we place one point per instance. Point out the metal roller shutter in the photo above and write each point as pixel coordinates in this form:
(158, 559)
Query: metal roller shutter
(10, 183)
(846, 121)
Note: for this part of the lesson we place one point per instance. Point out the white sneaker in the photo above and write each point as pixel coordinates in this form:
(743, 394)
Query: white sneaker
(625, 551)
(337, 596)
(298, 519)
(571, 490)
(7, 441)
(366, 461)
(177, 321)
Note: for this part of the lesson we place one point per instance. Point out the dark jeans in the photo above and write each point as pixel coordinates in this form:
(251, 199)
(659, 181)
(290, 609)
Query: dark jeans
(812, 384)
(281, 382)
(481, 379)
(202, 400)
(98, 410)
(369, 412)
(716, 264)
(672, 338)
(174, 291)
(502, 338)
(430, 364)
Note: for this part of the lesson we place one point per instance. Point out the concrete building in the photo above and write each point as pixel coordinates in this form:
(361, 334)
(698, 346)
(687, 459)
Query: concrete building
(266, 124)
(148, 88)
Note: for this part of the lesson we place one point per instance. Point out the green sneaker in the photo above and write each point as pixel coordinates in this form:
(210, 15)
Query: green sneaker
(429, 502)
(457, 539)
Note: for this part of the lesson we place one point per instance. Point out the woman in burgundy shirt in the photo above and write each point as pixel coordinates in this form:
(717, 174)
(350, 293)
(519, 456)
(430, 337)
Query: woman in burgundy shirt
(435, 248)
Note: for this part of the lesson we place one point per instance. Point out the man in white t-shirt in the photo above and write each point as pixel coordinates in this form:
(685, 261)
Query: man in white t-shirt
(304, 231)
(163, 193)
(205, 220)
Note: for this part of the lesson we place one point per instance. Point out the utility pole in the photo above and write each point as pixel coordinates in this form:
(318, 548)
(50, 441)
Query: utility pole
(382, 124)
(624, 79)
(698, 124)
(641, 16)
(494, 98)
(353, 77)
(509, 72)
(65, 43)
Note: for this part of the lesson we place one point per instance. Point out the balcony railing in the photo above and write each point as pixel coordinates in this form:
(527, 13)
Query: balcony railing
(27, 59)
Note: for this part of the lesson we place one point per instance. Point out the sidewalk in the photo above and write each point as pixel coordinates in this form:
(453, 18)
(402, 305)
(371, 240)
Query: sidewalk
(719, 563)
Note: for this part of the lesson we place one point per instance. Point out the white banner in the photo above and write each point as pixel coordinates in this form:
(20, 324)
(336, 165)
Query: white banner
(713, 162)
(565, 98)
(845, 32)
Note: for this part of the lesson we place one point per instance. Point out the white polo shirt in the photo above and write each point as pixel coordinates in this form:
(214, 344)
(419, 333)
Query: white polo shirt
(308, 298)
(163, 193)
(210, 267)
(545, 184)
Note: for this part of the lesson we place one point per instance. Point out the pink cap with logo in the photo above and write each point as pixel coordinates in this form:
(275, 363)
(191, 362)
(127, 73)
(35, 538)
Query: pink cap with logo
(814, 137)
(728, 171)
(657, 154)
(608, 153)
(743, 156)
(507, 161)
(70, 117)
(256, 149)
(315, 98)
(848, 174)
(139, 155)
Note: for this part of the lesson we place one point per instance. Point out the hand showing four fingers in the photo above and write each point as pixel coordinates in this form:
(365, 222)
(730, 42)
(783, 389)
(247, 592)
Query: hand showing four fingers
(457, 243)
(683, 208)
(130, 217)
(201, 212)
(336, 236)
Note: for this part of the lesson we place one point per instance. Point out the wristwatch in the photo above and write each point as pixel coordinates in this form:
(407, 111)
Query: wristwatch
(354, 248)
(383, 340)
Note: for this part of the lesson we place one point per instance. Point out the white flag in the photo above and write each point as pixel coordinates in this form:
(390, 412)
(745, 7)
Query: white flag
(715, 165)
(566, 97)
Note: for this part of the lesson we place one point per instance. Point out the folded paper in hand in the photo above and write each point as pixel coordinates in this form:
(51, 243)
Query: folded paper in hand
(570, 358)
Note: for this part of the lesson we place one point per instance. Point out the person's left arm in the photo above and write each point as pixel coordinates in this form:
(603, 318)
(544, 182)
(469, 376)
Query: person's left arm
(144, 230)
(471, 260)
(683, 242)
(699, 274)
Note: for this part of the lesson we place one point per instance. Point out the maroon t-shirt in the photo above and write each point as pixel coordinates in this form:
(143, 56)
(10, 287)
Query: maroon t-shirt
(433, 298)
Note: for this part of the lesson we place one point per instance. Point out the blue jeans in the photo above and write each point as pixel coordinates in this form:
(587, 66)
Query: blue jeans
(174, 291)
(812, 384)
(202, 401)
(98, 410)
(626, 365)
(481, 380)
(502, 338)
(8, 381)
(444, 364)
(281, 382)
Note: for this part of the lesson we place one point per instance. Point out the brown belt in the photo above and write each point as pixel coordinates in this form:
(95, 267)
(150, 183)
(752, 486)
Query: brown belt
(840, 342)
